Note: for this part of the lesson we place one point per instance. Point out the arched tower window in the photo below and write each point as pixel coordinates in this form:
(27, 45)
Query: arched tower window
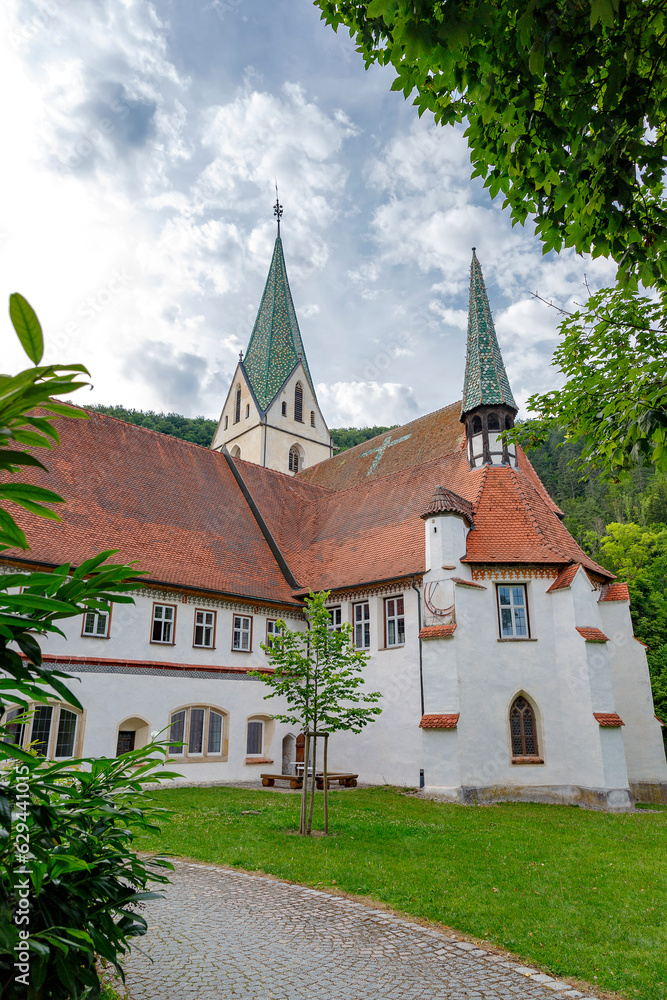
(523, 729)
(494, 423)
(236, 451)
(298, 402)
(237, 411)
(477, 425)
(294, 460)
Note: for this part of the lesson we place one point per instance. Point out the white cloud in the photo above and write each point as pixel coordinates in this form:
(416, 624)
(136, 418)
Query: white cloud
(367, 404)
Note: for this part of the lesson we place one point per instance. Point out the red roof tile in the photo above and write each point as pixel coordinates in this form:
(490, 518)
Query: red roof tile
(565, 578)
(438, 631)
(608, 719)
(173, 506)
(615, 592)
(439, 721)
(445, 501)
(592, 634)
(433, 436)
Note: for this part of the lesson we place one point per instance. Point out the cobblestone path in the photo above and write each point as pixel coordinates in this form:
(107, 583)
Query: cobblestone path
(226, 935)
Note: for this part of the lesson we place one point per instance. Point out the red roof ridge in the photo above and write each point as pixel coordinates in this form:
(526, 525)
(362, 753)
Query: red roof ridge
(445, 720)
(139, 427)
(591, 634)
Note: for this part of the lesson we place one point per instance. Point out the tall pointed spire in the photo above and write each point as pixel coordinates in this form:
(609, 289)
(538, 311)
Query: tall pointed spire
(275, 346)
(486, 382)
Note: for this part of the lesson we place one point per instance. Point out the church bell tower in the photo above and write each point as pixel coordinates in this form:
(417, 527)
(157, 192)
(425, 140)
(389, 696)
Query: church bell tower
(271, 415)
(488, 404)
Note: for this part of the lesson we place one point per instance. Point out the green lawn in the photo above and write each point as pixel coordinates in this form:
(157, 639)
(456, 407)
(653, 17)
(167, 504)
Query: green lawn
(577, 893)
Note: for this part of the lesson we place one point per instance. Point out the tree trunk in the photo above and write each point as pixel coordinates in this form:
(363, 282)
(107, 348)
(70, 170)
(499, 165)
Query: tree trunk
(312, 788)
(326, 786)
(304, 786)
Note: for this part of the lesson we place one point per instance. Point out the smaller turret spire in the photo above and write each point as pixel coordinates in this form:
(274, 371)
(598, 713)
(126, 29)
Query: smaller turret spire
(488, 404)
(486, 382)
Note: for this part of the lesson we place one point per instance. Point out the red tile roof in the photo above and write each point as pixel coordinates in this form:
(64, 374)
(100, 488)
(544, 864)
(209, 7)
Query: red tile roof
(608, 719)
(433, 436)
(445, 501)
(177, 508)
(565, 578)
(615, 592)
(438, 631)
(439, 721)
(173, 506)
(592, 634)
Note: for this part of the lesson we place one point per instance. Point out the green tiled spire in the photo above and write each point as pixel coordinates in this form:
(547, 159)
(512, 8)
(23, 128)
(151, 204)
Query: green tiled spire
(486, 382)
(275, 345)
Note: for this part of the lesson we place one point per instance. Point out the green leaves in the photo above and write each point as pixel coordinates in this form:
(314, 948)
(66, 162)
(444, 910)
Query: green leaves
(27, 327)
(613, 356)
(565, 103)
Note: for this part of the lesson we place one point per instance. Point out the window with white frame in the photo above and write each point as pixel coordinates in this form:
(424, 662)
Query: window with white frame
(335, 619)
(164, 618)
(272, 631)
(361, 614)
(513, 611)
(394, 621)
(204, 629)
(197, 732)
(255, 738)
(242, 634)
(96, 624)
(51, 730)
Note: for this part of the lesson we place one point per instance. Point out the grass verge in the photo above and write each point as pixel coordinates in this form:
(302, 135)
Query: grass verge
(578, 893)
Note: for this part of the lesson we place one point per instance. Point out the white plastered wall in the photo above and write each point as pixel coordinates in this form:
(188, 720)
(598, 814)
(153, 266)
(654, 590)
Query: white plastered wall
(642, 736)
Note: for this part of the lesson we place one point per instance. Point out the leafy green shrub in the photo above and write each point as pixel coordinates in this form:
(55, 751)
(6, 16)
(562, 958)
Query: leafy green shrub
(70, 880)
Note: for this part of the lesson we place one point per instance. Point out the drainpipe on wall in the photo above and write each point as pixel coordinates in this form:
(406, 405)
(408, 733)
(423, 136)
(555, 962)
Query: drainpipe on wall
(419, 619)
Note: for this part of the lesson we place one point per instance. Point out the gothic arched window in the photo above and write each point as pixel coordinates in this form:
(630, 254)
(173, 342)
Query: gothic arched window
(294, 459)
(477, 425)
(237, 412)
(493, 423)
(523, 729)
(298, 402)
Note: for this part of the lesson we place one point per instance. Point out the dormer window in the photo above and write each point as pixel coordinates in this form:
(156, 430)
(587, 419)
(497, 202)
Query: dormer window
(298, 402)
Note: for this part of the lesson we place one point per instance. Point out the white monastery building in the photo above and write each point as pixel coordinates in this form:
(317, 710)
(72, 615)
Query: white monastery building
(505, 655)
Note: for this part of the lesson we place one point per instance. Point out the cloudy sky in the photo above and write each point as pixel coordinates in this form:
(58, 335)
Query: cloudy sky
(141, 146)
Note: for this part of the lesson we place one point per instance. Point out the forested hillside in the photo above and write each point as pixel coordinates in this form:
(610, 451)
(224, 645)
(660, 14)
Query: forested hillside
(622, 526)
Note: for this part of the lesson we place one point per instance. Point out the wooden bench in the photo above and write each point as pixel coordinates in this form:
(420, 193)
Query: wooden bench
(296, 781)
(347, 780)
(269, 780)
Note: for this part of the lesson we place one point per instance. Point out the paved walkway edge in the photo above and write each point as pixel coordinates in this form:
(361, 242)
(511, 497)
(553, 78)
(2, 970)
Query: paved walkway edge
(526, 972)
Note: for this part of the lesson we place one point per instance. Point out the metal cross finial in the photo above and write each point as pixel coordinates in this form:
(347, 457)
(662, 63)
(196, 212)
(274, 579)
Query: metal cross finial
(240, 355)
(278, 209)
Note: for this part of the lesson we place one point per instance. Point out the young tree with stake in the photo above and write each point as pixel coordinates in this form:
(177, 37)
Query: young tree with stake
(318, 672)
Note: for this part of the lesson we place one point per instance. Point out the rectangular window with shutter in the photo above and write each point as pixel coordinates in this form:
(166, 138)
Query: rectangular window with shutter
(204, 629)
